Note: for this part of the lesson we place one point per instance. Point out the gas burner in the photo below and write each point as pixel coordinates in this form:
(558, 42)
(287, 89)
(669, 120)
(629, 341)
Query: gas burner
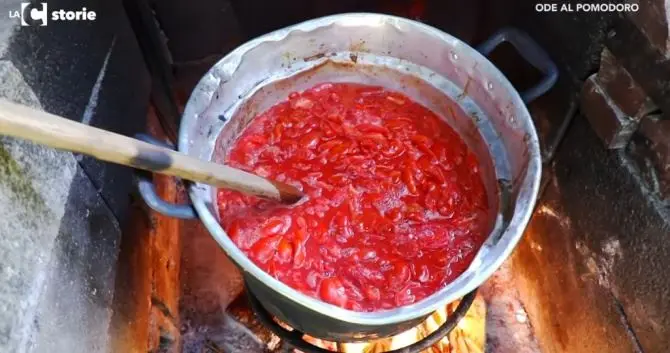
(295, 339)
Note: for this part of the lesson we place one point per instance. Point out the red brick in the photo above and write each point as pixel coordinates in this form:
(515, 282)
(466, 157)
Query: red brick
(652, 19)
(132, 315)
(620, 86)
(210, 280)
(645, 63)
(166, 247)
(607, 119)
(150, 258)
(163, 333)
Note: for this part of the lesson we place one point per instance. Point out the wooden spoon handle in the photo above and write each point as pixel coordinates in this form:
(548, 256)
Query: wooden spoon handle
(57, 132)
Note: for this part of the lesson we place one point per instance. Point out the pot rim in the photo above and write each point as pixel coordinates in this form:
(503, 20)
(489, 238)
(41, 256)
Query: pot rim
(508, 239)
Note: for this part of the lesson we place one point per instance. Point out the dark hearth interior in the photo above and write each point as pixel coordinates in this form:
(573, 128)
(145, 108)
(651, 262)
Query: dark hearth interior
(87, 266)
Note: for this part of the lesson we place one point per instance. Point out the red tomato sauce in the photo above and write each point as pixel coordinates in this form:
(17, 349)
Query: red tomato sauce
(395, 205)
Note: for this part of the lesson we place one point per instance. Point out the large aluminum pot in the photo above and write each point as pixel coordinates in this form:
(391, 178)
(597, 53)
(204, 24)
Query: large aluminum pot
(422, 62)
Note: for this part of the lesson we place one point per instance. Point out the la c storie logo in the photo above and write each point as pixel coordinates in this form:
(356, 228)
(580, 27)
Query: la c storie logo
(34, 14)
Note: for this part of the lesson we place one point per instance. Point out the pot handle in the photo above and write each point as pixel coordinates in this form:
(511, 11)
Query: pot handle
(531, 52)
(148, 191)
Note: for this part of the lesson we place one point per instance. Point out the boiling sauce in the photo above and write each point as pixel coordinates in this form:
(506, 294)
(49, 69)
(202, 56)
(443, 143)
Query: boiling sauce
(395, 206)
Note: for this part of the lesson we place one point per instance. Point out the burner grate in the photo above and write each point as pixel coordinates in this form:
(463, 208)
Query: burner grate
(295, 339)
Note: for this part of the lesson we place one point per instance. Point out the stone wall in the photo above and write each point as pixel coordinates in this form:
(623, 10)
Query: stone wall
(591, 266)
(61, 215)
(627, 100)
(630, 114)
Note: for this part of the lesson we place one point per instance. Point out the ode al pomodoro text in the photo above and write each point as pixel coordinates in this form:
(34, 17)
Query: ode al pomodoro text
(586, 7)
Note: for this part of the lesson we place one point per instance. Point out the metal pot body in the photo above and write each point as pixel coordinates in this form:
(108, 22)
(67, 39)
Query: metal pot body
(321, 324)
(426, 64)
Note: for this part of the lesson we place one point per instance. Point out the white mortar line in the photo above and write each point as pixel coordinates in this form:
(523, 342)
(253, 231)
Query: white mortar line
(32, 304)
(95, 92)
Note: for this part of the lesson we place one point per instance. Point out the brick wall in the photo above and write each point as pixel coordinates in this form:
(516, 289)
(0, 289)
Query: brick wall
(627, 101)
(592, 262)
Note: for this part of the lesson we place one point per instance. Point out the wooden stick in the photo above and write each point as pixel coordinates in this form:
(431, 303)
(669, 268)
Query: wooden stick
(57, 132)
